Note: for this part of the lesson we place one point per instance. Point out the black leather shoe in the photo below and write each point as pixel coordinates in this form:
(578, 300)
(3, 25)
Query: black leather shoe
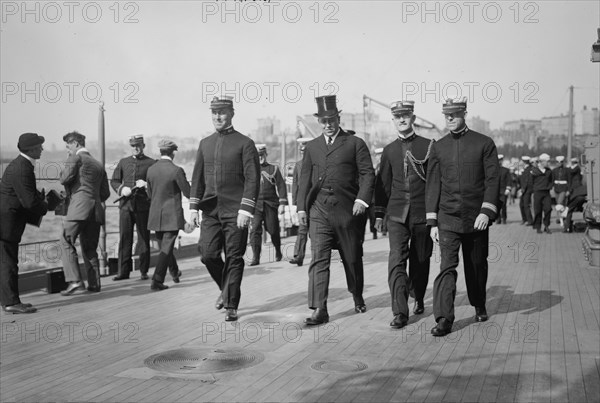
(318, 317)
(219, 304)
(547, 230)
(359, 304)
(231, 315)
(156, 286)
(74, 286)
(539, 231)
(19, 308)
(481, 314)
(278, 257)
(93, 288)
(254, 263)
(118, 278)
(296, 261)
(419, 307)
(177, 277)
(360, 308)
(399, 322)
(144, 276)
(443, 327)
(528, 224)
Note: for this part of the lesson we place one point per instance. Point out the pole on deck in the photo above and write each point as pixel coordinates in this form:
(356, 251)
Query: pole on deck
(102, 243)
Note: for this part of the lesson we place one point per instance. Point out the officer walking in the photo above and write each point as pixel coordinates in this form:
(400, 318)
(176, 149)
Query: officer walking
(300, 246)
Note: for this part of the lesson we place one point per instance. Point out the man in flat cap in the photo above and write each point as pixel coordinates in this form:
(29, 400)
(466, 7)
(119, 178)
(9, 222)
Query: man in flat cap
(20, 203)
(526, 188)
(225, 186)
(86, 185)
(271, 202)
(129, 181)
(463, 185)
(560, 180)
(300, 246)
(542, 203)
(504, 190)
(165, 184)
(400, 193)
(336, 185)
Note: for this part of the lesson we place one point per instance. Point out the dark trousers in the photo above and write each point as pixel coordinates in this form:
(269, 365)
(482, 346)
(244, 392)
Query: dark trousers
(300, 246)
(501, 210)
(409, 244)
(332, 227)
(526, 207)
(574, 204)
(475, 252)
(89, 234)
(127, 220)
(268, 216)
(541, 204)
(9, 273)
(166, 259)
(218, 234)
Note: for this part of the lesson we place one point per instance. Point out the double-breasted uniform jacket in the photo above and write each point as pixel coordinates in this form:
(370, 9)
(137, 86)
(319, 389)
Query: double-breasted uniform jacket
(20, 201)
(525, 181)
(165, 184)
(504, 183)
(345, 168)
(272, 186)
(463, 180)
(86, 185)
(127, 172)
(227, 168)
(560, 178)
(400, 187)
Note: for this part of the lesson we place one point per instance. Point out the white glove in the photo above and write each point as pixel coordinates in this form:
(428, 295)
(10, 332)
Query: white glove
(281, 209)
(126, 191)
(140, 183)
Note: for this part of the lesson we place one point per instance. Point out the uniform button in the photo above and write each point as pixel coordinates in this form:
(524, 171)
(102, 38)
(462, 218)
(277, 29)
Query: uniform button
(320, 178)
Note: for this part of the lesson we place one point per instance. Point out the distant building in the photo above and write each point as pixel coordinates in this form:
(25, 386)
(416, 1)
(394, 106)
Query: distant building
(521, 132)
(267, 128)
(555, 126)
(588, 121)
(479, 125)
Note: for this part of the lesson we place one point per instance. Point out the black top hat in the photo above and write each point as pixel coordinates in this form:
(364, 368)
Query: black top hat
(327, 107)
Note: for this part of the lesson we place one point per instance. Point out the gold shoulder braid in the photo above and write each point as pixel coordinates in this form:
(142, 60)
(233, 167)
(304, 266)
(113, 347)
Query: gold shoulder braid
(417, 164)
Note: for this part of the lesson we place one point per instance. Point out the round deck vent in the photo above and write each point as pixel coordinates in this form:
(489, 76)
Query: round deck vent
(203, 360)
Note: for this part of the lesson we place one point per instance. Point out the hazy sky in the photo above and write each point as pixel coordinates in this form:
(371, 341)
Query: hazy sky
(157, 64)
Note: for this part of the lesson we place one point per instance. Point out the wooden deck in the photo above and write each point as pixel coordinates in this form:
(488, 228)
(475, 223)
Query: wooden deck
(542, 342)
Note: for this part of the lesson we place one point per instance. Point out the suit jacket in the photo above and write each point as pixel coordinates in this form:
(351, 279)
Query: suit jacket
(86, 185)
(20, 201)
(345, 167)
(226, 168)
(165, 184)
(463, 180)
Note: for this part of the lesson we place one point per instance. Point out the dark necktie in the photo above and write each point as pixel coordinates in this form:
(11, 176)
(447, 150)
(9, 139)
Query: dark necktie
(329, 141)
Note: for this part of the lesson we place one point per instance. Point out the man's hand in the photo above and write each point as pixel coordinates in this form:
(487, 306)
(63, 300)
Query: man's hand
(281, 209)
(506, 192)
(379, 224)
(126, 191)
(358, 209)
(302, 218)
(194, 219)
(434, 234)
(243, 220)
(140, 183)
(481, 222)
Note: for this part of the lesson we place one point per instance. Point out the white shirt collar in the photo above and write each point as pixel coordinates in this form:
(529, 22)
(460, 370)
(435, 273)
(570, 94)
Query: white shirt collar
(29, 158)
(165, 157)
(82, 150)
(332, 137)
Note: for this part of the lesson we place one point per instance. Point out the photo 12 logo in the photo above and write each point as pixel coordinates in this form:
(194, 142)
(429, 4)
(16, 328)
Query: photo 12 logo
(70, 92)
(490, 92)
(266, 11)
(52, 12)
(470, 11)
(271, 92)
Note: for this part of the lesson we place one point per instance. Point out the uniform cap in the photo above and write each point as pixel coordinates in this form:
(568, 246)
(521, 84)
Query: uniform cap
(574, 159)
(544, 157)
(261, 148)
(401, 107)
(221, 102)
(525, 158)
(136, 140)
(500, 156)
(560, 158)
(454, 105)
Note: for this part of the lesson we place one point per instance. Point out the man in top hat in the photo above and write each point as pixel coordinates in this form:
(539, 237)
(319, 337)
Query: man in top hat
(300, 246)
(336, 185)
(400, 192)
(165, 184)
(225, 186)
(504, 190)
(271, 202)
(129, 181)
(86, 185)
(526, 185)
(560, 179)
(463, 185)
(20, 203)
(542, 203)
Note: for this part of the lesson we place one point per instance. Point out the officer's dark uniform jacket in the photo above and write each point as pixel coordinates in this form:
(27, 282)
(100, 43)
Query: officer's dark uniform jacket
(400, 186)
(504, 182)
(560, 178)
(227, 168)
(525, 180)
(462, 181)
(127, 172)
(542, 181)
(272, 186)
